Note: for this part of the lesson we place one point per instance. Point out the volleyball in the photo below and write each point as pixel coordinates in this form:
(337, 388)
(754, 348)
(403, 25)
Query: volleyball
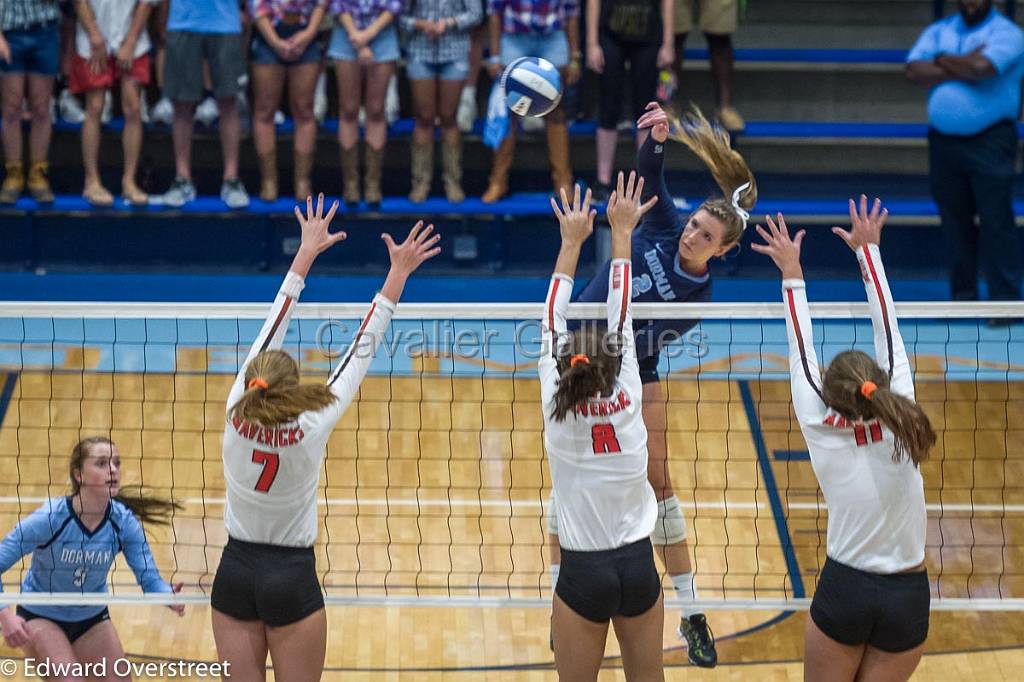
(532, 86)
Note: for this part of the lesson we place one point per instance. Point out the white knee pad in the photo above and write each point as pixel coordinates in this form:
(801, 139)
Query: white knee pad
(552, 516)
(670, 528)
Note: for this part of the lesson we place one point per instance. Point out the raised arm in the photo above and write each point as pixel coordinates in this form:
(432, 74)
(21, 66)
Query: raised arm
(863, 238)
(804, 375)
(654, 125)
(419, 246)
(315, 240)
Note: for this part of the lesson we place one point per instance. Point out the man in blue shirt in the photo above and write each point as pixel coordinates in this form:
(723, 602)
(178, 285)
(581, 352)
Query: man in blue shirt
(973, 62)
(209, 30)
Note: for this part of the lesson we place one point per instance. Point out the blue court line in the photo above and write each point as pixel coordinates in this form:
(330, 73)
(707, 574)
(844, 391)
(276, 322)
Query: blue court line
(791, 456)
(6, 394)
(781, 526)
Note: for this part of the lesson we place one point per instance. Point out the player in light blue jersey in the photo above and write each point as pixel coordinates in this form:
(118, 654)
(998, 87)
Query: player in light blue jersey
(74, 541)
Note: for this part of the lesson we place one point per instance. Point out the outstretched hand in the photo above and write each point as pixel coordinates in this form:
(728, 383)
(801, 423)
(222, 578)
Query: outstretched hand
(865, 228)
(315, 235)
(656, 119)
(624, 208)
(780, 248)
(418, 247)
(576, 219)
(177, 608)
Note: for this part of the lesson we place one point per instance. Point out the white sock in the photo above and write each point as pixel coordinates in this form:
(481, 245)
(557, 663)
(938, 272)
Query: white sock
(554, 575)
(686, 591)
(469, 92)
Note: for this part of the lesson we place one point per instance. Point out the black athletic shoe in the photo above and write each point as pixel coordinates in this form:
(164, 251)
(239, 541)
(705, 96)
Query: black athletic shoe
(700, 641)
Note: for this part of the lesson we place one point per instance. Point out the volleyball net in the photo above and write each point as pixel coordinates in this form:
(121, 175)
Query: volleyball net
(435, 484)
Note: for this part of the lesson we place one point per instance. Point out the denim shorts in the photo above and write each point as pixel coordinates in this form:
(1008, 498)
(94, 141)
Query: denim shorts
(455, 70)
(553, 47)
(385, 46)
(262, 53)
(34, 50)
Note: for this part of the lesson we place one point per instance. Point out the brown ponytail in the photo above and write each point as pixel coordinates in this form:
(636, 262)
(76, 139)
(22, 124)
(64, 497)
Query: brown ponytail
(149, 508)
(283, 398)
(728, 168)
(842, 391)
(582, 379)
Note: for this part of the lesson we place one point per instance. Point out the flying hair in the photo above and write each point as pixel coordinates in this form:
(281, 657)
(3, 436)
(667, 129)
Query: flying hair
(274, 395)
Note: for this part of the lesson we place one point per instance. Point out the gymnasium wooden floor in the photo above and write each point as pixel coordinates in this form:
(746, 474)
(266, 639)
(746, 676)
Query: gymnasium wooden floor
(435, 486)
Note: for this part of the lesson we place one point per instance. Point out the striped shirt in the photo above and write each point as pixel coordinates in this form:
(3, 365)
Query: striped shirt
(20, 14)
(453, 45)
(876, 510)
(275, 10)
(533, 16)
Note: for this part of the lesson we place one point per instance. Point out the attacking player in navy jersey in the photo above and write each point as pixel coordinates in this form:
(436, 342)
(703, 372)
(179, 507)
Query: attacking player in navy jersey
(266, 595)
(73, 541)
(670, 264)
(866, 436)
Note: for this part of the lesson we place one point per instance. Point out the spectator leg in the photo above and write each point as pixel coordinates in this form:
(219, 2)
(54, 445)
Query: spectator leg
(451, 139)
(91, 145)
(557, 131)
(13, 86)
(131, 139)
(349, 75)
(991, 177)
(181, 131)
(951, 189)
(230, 134)
(720, 49)
(613, 80)
(377, 79)
(40, 92)
(267, 86)
(301, 89)
(425, 100)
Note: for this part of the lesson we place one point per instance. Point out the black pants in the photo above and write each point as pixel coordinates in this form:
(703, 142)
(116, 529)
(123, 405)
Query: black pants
(973, 176)
(643, 77)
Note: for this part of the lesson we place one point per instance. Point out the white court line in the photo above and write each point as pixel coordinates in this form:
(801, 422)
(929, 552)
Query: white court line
(540, 504)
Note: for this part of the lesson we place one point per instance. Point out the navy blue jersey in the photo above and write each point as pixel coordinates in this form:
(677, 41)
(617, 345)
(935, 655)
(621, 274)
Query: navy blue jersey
(66, 557)
(657, 276)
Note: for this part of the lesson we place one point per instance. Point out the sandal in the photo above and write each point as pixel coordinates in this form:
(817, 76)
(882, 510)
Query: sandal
(98, 196)
(133, 196)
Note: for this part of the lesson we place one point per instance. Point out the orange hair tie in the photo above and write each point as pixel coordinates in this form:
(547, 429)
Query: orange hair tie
(260, 383)
(579, 358)
(867, 389)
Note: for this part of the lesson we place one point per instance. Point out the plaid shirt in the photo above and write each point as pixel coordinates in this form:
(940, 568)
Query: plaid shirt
(364, 12)
(276, 9)
(534, 16)
(15, 14)
(453, 45)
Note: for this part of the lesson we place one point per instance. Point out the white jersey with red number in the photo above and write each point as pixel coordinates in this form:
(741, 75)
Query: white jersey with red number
(598, 454)
(876, 512)
(272, 473)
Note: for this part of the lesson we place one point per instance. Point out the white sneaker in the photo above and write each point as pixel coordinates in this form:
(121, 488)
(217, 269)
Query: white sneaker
(320, 98)
(466, 115)
(278, 118)
(108, 108)
(206, 112)
(392, 106)
(69, 107)
(163, 112)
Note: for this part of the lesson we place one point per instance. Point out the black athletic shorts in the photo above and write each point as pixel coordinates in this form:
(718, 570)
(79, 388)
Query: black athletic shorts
(607, 583)
(72, 629)
(889, 612)
(274, 584)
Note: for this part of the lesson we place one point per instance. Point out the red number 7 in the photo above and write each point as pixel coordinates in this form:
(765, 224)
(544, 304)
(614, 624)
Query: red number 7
(269, 460)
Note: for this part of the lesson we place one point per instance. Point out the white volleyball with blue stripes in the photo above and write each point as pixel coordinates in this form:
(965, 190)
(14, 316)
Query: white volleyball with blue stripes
(532, 86)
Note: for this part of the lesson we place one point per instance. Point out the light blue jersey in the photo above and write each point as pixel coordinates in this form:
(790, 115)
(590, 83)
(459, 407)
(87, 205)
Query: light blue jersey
(68, 558)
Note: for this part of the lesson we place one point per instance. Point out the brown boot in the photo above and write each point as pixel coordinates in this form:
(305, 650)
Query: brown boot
(38, 183)
(558, 154)
(374, 161)
(268, 176)
(451, 162)
(422, 170)
(14, 182)
(350, 174)
(497, 187)
(303, 172)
